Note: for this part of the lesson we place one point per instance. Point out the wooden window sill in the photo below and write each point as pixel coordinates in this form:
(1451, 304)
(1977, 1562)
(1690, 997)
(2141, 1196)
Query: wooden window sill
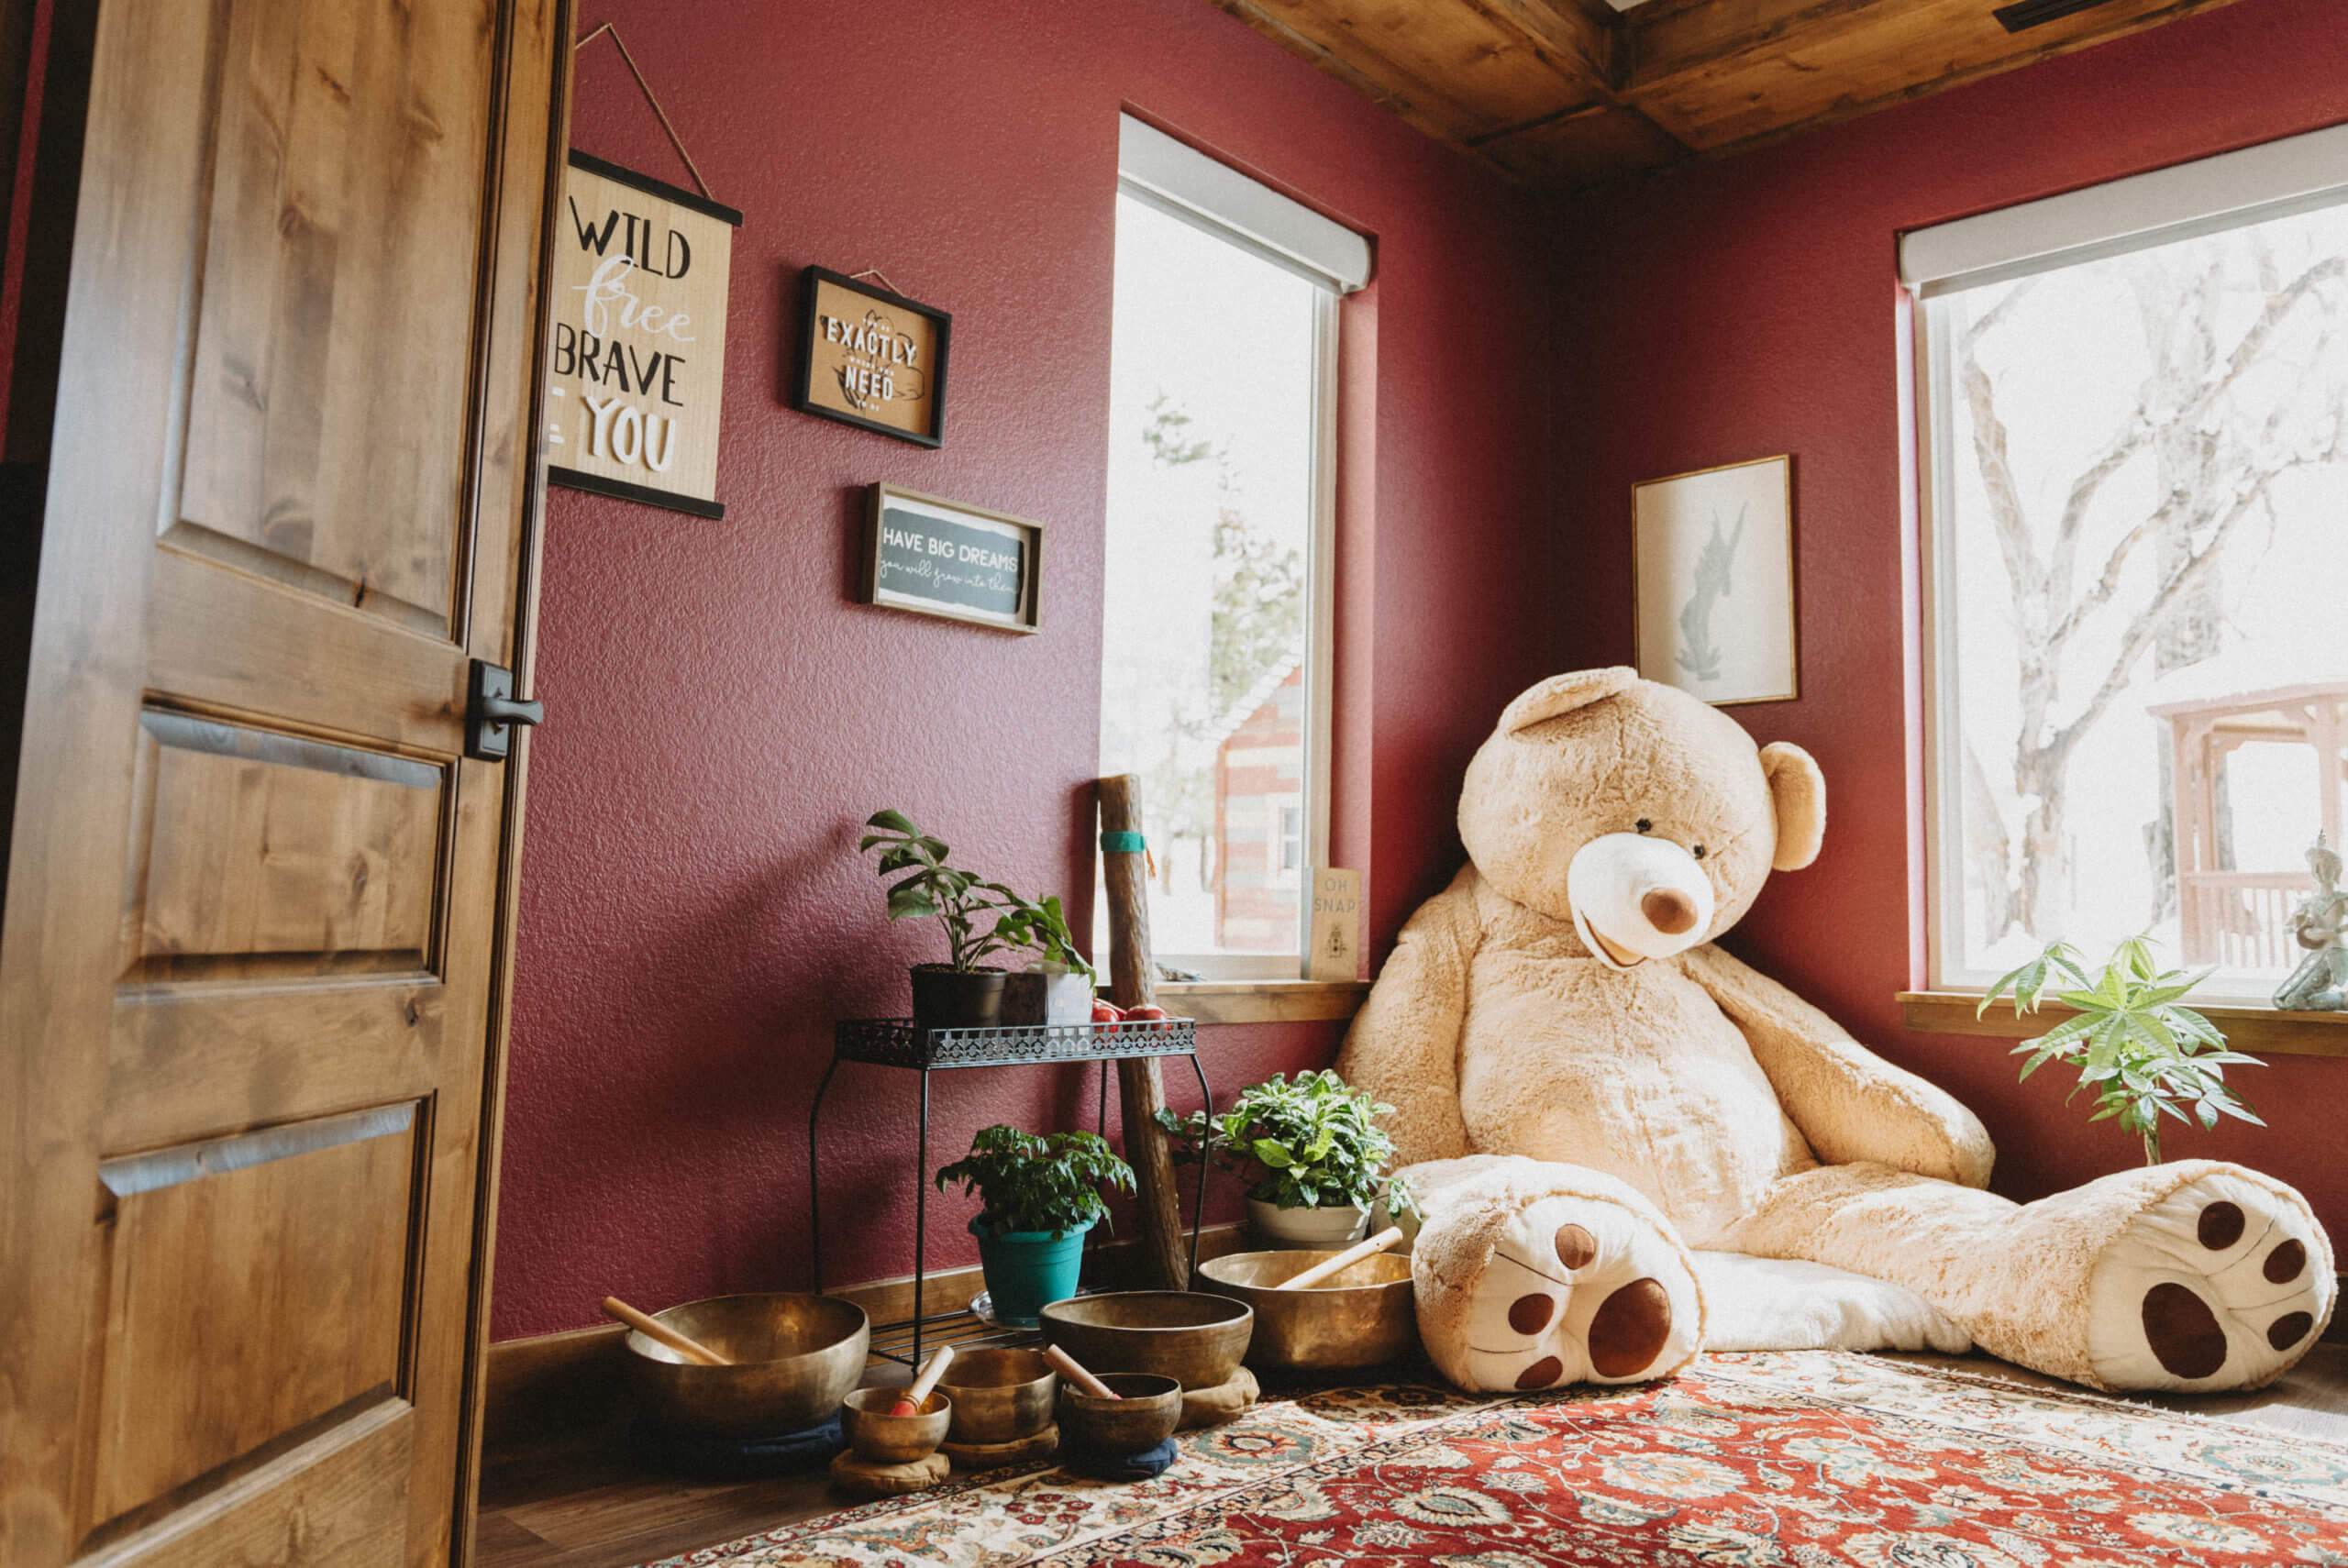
(2261, 1031)
(1262, 1001)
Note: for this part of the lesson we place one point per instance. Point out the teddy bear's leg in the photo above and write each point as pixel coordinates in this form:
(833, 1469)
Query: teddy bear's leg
(2192, 1275)
(1530, 1275)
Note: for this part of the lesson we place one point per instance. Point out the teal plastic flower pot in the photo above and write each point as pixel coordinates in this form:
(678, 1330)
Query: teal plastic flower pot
(1026, 1269)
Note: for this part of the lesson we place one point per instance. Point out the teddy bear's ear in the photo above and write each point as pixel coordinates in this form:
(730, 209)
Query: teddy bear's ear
(1564, 694)
(1798, 790)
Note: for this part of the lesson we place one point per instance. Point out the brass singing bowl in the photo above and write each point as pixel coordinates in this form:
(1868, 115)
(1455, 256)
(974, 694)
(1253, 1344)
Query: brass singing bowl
(1361, 1316)
(884, 1439)
(793, 1355)
(1144, 1414)
(1194, 1338)
(1000, 1396)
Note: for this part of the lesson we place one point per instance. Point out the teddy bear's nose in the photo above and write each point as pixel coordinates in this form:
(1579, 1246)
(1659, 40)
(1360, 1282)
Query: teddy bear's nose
(1668, 909)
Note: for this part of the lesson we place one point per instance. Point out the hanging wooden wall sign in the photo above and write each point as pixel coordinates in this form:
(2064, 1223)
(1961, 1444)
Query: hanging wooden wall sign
(637, 358)
(872, 358)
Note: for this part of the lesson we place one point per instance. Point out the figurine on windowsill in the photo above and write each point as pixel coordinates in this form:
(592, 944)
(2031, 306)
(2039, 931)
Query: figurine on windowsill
(2320, 923)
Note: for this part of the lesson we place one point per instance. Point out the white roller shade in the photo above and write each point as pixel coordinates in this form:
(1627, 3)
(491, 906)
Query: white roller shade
(2273, 180)
(1185, 183)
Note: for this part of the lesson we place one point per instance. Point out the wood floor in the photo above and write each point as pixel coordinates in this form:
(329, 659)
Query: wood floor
(583, 1507)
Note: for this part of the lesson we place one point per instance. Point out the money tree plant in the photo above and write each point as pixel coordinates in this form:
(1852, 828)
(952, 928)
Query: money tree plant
(2144, 1055)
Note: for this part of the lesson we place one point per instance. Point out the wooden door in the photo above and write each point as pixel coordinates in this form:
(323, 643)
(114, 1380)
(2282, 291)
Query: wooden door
(251, 958)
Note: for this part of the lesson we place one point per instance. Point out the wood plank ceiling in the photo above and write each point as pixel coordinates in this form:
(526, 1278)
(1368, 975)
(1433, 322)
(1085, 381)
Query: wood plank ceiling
(1561, 94)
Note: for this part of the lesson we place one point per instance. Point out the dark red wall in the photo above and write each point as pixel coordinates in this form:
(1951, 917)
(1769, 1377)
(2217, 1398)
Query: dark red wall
(720, 715)
(1748, 307)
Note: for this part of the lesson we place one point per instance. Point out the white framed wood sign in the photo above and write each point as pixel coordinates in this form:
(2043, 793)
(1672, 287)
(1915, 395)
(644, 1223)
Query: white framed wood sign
(636, 359)
(1712, 582)
(947, 558)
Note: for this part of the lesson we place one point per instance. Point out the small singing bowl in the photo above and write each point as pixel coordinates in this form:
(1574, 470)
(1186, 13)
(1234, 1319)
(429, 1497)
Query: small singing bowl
(1195, 1338)
(793, 1356)
(884, 1439)
(1144, 1414)
(1000, 1396)
(1361, 1316)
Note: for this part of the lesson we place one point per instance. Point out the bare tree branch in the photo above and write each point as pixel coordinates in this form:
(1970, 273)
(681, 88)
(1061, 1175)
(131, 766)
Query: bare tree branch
(1990, 452)
(2147, 621)
(1986, 322)
(2142, 429)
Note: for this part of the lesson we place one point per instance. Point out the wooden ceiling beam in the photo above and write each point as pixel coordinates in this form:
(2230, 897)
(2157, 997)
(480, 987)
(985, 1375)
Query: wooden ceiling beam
(1578, 39)
(1720, 74)
(1567, 92)
(1458, 70)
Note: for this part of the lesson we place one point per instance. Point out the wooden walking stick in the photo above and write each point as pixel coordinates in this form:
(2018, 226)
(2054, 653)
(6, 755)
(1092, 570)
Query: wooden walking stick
(1132, 982)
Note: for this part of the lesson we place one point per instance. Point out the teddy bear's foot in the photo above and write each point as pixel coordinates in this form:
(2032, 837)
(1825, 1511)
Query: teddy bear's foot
(1579, 1290)
(2221, 1284)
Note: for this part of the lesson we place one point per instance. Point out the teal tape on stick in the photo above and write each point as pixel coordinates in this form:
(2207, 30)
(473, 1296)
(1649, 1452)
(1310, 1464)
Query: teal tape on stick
(1121, 843)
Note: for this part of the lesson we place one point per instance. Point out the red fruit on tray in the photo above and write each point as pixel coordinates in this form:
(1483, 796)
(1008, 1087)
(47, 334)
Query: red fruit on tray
(1149, 1012)
(1105, 1011)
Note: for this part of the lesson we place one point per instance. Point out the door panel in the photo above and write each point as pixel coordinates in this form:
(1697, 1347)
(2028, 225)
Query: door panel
(321, 1505)
(256, 853)
(327, 414)
(207, 1357)
(254, 902)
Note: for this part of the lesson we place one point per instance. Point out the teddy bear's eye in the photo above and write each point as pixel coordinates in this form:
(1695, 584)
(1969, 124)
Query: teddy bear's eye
(1645, 826)
(1698, 852)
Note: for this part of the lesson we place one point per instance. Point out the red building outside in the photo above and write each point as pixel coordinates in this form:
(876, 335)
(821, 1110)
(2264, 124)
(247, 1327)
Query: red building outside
(1260, 817)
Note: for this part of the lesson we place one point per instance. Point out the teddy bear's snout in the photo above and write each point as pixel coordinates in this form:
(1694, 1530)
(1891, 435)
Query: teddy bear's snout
(1668, 909)
(1635, 897)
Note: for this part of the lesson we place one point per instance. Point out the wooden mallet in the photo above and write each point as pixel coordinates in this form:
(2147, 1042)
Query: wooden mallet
(1343, 1261)
(1068, 1366)
(651, 1328)
(913, 1398)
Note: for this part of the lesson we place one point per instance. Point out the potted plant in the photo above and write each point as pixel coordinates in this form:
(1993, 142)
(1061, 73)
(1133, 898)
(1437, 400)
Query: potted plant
(1057, 986)
(2144, 1055)
(1312, 1151)
(1037, 1198)
(982, 919)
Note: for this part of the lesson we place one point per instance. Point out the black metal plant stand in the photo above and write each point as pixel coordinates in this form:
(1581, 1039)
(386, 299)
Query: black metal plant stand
(899, 1042)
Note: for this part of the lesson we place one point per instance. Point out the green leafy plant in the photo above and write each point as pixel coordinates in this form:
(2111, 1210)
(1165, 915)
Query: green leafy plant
(1300, 1145)
(980, 918)
(2144, 1055)
(1029, 1182)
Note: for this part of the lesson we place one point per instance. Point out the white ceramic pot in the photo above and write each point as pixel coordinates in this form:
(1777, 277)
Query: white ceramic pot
(1047, 995)
(1381, 1217)
(1331, 1225)
(1067, 998)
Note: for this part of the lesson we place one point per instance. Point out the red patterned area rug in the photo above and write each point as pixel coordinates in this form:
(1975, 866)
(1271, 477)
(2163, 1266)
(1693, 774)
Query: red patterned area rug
(1802, 1459)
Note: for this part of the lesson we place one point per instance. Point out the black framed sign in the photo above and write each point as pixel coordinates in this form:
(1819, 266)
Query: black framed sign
(637, 362)
(944, 557)
(871, 359)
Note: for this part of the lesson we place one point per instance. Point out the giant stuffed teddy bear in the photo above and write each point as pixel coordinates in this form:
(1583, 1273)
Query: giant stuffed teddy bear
(1589, 1092)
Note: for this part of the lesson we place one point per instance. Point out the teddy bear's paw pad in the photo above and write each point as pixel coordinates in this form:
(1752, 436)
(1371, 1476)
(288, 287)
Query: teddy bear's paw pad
(2215, 1287)
(1580, 1290)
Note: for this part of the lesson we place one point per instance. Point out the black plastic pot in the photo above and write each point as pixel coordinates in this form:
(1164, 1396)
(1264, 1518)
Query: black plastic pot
(946, 998)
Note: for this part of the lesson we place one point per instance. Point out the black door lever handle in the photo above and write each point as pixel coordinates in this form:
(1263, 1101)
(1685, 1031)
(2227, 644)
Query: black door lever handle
(492, 712)
(512, 710)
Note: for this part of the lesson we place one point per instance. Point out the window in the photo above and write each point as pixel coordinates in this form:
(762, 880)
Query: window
(2135, 414)
(1214, 669)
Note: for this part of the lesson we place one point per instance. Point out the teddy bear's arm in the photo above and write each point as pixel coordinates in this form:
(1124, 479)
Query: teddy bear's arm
(1850, 1103)
(1404, 1044)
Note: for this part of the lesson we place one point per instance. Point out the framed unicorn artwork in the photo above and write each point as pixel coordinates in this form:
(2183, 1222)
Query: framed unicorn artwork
(1712, 582)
